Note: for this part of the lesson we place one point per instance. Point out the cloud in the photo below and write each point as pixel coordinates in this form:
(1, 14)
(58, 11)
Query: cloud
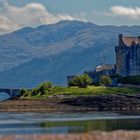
(129, 12)
(32, 14)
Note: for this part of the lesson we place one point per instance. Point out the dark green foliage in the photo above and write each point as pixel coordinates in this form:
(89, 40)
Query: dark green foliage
(34, 92)
(81, 81)
(133, 80)
(44, 87)
(24, 92)
(115, 76)
(96, 83)
(105, 80)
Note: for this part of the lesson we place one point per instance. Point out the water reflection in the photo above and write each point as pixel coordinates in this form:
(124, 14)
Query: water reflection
(3, 96)
(60, 123)
(102, 125)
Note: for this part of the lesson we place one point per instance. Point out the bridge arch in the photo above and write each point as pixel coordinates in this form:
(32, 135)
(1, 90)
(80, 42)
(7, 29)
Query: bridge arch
(11, 92)
(4, 96)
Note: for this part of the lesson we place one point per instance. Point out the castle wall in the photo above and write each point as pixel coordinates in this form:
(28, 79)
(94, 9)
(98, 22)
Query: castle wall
(128, 57)
(134, 65)
(122, 67)
(138, 61)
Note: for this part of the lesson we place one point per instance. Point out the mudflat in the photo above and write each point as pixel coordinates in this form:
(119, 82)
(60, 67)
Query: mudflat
(36, 105)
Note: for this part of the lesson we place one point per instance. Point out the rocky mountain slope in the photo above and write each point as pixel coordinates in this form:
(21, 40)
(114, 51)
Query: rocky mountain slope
(51, 52)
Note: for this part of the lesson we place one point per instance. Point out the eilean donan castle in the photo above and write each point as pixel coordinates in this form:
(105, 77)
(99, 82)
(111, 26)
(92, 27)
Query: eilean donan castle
(128, 56)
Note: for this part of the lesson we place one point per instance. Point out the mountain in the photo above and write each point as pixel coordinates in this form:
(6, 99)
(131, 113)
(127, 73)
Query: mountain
(51, 52)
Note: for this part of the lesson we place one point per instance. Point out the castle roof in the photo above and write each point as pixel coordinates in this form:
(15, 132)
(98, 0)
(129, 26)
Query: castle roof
(129, 40)
(104, 67)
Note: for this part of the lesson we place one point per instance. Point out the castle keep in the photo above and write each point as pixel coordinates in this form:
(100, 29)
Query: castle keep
(128, 56)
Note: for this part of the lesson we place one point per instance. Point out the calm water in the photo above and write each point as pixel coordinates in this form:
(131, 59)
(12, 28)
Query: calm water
(63, 123)
(60, 123)
(3, 96)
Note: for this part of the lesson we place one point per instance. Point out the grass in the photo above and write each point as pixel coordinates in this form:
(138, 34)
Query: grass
(93, 90)
(89, 91)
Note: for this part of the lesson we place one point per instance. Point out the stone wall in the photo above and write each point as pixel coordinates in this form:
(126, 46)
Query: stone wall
(128, 56)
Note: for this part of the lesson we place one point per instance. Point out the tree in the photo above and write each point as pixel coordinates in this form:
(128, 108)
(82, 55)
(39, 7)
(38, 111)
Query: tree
(81, 81)
(34, 92)
(44, 87)
(24, 92)
(106, 80)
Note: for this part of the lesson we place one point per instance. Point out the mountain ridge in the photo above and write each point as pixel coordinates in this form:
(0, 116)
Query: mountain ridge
(67, 47)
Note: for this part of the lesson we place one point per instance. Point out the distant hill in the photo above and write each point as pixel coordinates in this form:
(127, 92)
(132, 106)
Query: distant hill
(51, 52)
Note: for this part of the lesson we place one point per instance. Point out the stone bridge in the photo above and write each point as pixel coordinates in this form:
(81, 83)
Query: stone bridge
(13, 93)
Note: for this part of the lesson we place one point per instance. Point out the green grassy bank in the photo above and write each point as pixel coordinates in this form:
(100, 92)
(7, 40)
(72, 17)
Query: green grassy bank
(76, 91)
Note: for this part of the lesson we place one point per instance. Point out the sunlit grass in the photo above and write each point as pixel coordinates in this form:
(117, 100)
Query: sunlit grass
(89, 91)
(95, 90)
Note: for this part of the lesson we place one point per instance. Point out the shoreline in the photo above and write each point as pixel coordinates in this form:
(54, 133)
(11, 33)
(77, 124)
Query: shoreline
(110, 102)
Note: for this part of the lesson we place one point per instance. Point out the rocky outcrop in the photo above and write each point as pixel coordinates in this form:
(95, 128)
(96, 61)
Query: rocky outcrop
(107, 102)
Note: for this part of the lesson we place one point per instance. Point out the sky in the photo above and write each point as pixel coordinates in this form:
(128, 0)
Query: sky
(16, 14)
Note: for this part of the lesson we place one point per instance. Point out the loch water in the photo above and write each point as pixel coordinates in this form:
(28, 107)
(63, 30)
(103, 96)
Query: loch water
(64, 123)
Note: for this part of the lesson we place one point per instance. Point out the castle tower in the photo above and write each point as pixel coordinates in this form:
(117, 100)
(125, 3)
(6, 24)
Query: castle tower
(128, 56)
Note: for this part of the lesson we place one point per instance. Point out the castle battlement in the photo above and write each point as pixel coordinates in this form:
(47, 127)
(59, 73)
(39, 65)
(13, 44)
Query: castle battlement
(128, 55)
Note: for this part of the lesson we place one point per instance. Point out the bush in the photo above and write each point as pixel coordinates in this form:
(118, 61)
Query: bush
(24, 92)
(133, 80)
(44, 87)
(34, 92)
(81, 81)
(96, 83)
(106, 80)
(117, 76)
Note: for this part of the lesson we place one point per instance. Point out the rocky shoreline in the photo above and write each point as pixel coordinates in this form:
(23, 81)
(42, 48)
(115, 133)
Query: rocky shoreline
(114, 102)
(116, 135)
(108, 102)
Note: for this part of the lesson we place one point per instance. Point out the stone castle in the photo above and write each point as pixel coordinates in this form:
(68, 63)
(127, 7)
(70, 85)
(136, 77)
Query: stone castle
(127, 61)
(128, 56)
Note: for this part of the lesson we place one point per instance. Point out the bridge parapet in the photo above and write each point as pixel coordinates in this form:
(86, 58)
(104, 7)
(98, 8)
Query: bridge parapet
(12, 92)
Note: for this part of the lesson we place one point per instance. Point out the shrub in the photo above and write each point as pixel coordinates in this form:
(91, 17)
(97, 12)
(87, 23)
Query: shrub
(96, 83)
(24, 92)
(34, 92)
(42, 89)
(81, 81)
(106, 80)
(115, 76)
(133, 80)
